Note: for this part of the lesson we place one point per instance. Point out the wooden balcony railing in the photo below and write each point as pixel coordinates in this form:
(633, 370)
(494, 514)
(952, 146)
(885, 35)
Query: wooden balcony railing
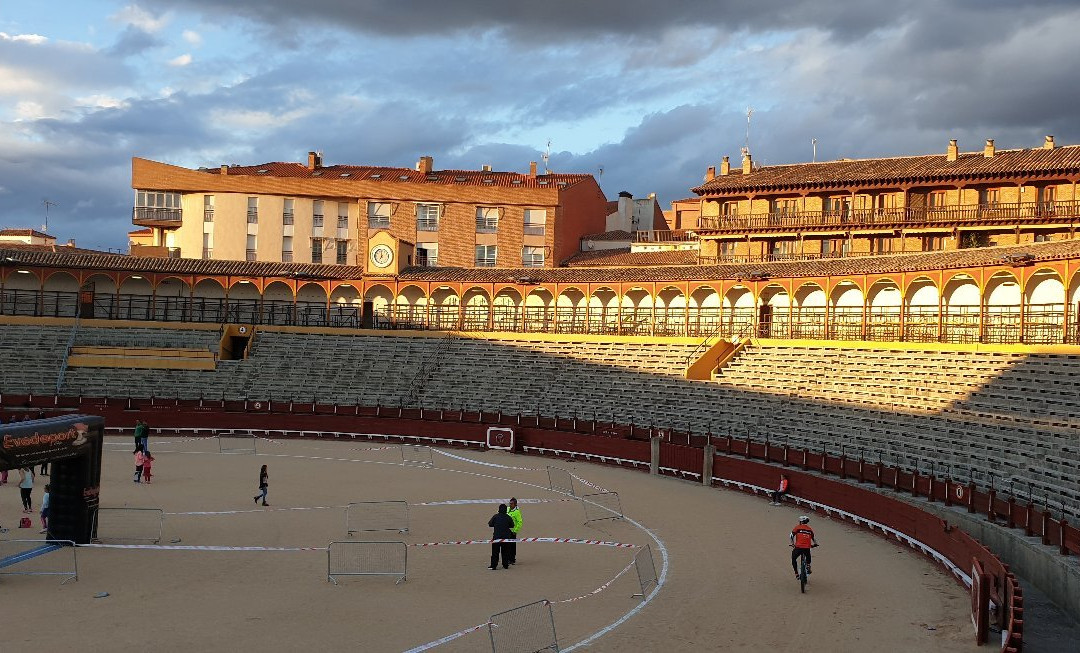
(152, 216)
(1006, 213)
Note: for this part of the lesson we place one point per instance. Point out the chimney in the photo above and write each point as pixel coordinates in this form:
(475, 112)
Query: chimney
(988, 150)
(532, 169)
(486, 168)
(747, 163)
(725, 166)
(710, 173)
(71, 242)
(1048, 144)
(424, 164)
(224, 169)
(314, 160)
(952, 152)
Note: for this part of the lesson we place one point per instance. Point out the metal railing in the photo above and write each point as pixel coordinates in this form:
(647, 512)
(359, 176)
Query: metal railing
(427, 224)
(981, 213)
(154, 214)
(665, 236)
(208, 215)
(487, 225)
(378, 222)
(427, 260)
(534, 230)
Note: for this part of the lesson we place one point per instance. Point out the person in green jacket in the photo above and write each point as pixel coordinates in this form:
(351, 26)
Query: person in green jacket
(515, 514)
(142, 435)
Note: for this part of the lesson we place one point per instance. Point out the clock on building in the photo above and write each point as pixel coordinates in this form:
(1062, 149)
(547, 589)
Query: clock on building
(382, 256)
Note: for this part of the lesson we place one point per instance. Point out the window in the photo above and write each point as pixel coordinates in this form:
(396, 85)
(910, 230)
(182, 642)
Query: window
(785, 206)
(781, 249)
(427, 254)
(936, 199)
(316, 250)
(835, 247)
(487, 220)
(287, 212)
(989, 197)
(317, 214)
(208, 208)
(342, 252)
(286, 249)
(342, 215)
(838, 207)
(379, 215)
(729, 208)
(253, 210)
(969, 239)
(532, 257)
(1043, 238)
(881, 244)
(251, 247)
(933, 243)
(727, 249)
(152, 200)
(427, 217)
(208, 246)
(535, 222)
(486, 256)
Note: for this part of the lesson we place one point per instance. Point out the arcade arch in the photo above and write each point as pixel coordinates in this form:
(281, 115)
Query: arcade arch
(705, 308)
(570, 308)
(883, 318)
(443, 310)
(922, 311)
(506, 310)
(1044, 308)
(961, 314)
(847, 306)
(1001, 300)
(477, 311)
(670, 311)
(539, 316)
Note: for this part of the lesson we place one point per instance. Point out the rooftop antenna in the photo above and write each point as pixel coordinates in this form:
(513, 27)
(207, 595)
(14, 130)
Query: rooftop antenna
(599, 174)
(546, 156)
(749, 112)
(47, 203)
(813, 142)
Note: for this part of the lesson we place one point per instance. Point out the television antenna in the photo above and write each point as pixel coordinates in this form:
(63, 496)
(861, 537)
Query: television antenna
(47, 203)
(546, 156)
(599, 174)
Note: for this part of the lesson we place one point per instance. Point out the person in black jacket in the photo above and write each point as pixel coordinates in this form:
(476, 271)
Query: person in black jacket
(504, 530)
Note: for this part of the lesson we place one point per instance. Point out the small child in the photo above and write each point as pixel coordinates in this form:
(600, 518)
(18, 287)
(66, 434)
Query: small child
(140, 459)
(148, 462)
(45, 511)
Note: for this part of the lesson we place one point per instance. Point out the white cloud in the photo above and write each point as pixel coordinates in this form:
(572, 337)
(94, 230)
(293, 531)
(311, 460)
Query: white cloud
(101, 102)
(35, 39)
(192, 37)
(180, 61)
(247, 119)
(28, 110)
(139, 17)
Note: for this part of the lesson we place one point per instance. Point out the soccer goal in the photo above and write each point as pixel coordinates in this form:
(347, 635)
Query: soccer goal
(646, 570)
(528, 628)
(236, 444)
(370, 516)
(603, 505)
(560, 480)
(367, 559)
(129, 524)
(419, 455)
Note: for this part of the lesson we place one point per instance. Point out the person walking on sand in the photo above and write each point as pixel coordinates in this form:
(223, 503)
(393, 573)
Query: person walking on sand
(264, 484)
(26, 487)
(45, 511)
(503, 530)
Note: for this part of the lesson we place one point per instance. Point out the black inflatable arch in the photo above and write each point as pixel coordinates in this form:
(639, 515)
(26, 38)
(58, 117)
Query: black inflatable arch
(72, 446)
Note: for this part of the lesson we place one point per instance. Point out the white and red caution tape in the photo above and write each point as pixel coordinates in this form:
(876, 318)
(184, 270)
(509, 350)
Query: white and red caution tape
(485, 464)
(545, 540)
(196, 547)
(588, 484)
(448, 638)
(601, 588)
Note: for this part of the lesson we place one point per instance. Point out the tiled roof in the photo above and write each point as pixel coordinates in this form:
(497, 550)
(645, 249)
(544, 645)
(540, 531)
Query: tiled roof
(618, 234)
(892, 263)
(896, 170)
(24, 232)
(612, 206)
(144, 230)
(394, 175)
(686, 200)
(62, 257)
(63, 249)
(622, 257)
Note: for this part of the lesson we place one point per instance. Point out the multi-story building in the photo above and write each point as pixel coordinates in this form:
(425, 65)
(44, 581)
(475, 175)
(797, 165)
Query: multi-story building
(291, 212)
(850, 207)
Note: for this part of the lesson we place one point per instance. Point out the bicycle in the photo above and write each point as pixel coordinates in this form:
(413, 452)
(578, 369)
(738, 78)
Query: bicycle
(803, 574)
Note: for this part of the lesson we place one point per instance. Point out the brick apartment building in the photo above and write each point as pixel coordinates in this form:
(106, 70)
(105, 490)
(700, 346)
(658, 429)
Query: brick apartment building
(378, 217)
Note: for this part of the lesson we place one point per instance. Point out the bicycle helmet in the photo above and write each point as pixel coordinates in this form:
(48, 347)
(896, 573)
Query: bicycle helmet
(804, 520)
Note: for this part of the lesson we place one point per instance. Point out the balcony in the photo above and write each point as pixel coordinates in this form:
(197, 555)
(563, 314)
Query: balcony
(983, 214)
(208, 215)
(773, 258)
(532, 261)
(427, 260)
(427, 224)
(208, 253)
(287, 218)
(665, 236)
(533, 230)
(252, 217)
(378, 222)
(286, 256)
(486, 226)
(154, 217)
(485, 261)
(251, 255)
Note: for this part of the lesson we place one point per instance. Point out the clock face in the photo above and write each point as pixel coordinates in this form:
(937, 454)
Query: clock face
(382, 256)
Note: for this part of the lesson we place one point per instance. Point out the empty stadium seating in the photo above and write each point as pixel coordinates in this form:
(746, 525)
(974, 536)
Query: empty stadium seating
(967, 412)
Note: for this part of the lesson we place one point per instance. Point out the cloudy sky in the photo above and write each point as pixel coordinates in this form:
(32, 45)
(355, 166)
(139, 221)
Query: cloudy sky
(650, 92)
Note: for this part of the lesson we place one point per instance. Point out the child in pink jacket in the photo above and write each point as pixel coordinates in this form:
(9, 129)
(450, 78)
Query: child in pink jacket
(140, 460)
(148, 461)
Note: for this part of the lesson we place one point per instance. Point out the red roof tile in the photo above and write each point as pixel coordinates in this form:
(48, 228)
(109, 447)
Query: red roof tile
(25, 232)
(618, 234)
(622, 257)
(897, 170)
(384, 174)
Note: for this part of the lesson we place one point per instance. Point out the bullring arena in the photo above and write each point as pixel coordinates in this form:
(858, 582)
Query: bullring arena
(937, 461)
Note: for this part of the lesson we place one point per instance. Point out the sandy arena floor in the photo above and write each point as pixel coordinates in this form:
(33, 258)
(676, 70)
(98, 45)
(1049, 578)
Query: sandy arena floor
(728, 584)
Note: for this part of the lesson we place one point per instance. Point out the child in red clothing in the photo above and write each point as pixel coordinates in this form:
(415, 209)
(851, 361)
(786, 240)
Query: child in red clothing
(148, 461)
